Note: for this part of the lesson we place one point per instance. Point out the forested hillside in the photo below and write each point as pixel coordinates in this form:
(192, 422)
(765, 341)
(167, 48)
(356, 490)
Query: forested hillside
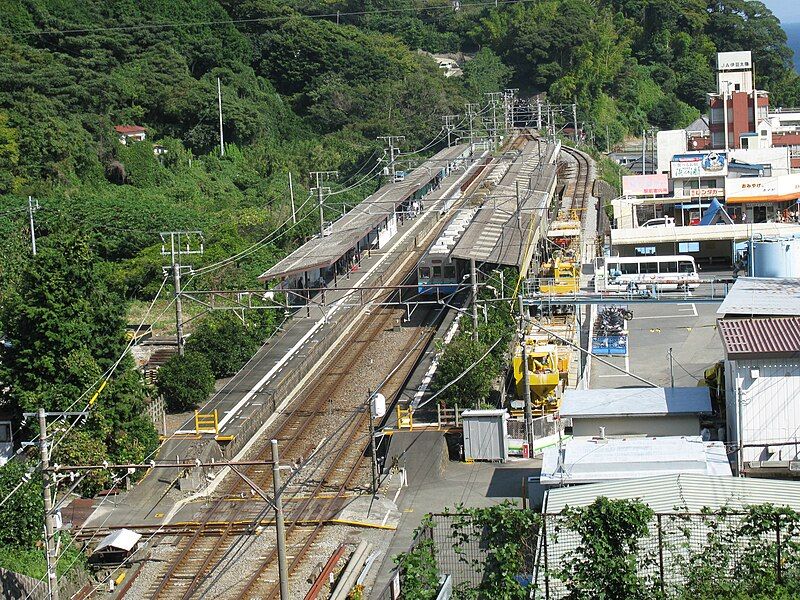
(306, 85)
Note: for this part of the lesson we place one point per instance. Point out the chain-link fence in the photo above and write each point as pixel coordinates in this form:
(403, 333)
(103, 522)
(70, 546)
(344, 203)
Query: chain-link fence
(680, 555)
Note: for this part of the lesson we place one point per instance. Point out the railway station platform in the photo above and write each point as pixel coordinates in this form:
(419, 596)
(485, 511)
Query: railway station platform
(249, 400)
(512, 219)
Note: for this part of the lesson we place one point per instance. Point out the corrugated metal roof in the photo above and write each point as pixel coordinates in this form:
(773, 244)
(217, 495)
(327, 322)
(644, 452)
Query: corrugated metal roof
(322, 252)
(749, 338)
(591, 460)
(640, 401)
(499, 234)
(767, 296)
(685, 491)
(694, 233)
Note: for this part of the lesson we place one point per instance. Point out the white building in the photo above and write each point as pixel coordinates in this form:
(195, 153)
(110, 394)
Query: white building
(636, 411)
(762, 387)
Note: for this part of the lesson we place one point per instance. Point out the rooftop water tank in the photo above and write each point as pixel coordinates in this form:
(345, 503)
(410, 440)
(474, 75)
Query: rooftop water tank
(776, 258)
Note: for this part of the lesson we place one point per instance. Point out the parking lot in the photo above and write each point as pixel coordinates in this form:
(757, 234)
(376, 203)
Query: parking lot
(688, 328)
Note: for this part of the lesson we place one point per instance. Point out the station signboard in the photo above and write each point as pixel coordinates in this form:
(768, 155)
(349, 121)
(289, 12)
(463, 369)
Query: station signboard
(645, 185)
(702, 164)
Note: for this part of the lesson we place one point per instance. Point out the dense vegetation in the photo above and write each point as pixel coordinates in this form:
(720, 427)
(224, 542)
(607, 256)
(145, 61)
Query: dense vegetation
(300, 92)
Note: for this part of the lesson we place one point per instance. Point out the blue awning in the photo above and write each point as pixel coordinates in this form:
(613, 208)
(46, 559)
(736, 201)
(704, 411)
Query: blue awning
(691, 206)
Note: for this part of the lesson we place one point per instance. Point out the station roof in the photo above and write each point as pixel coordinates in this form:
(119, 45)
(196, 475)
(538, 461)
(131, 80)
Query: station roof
(696, 233)
(760, 337)
(762, 296)
(322, 251)
(690, 492)
(591, 460)
(499, 234)
(639, 401)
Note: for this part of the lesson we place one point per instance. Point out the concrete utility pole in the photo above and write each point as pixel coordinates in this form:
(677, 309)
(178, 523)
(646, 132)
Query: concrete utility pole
(471, 114)
(538, 113)
(219, 102)
(473, 276)
(494, 98)
(319, 177)
(449, 125)
(175, 251)
(32, 207)
(575, 120)
(49, 527)
(509, 95)
(391, 141)
(526, 378)
(644, 149)
(51, 552)
(372, 448)
(291, 196)
(283, 569)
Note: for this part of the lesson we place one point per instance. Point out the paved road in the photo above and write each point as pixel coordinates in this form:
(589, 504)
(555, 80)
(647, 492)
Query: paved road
(689, 329)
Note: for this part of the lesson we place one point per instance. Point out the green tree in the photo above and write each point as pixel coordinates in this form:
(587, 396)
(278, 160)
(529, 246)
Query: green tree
(9, 156)
(22, 516)
(472, 388)
(185, 381)
(225, 341)
(485, 73)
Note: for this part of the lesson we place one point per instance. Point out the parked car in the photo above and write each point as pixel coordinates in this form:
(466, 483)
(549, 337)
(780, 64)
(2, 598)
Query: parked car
(660, 222)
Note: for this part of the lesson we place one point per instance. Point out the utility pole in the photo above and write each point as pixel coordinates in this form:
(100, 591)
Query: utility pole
(391, 141)
(510, 95)
(373, 450)
(494, 98)
(471, 114)
(175, 251)
(51, 548)
(644, 148)
(32, 206)
(319, 177)
(449, 125)
(526, 377)
(291, 196)
(49, 527)
(538, 113)
(283, 569)
(219, 102)
(473, 275)
(575, 120)
(671, 370)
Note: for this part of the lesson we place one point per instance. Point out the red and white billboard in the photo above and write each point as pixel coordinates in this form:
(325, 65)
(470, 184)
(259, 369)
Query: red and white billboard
(645, 185)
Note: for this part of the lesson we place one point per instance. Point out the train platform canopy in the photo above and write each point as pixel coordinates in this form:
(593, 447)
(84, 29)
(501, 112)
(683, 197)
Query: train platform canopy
(762, 297)
(696, 233)
(323, 251)
(690, 492)
(591, 459)
(500, 234)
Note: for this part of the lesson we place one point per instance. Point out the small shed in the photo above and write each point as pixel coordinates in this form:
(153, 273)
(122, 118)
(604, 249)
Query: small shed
(485, 434)
(636, 411)
(116, 546)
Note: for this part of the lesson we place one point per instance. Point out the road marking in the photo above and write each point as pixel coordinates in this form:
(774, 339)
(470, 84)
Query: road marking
(692, 308)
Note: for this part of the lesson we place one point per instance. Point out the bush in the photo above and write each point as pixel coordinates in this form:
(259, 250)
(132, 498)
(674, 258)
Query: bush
(185, 381)
(225, 341)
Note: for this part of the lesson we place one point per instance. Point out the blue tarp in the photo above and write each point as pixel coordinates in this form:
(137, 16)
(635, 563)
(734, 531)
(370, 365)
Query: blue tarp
(713, 208)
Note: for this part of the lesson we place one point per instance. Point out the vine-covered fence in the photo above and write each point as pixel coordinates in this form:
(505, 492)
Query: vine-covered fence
(612, 548)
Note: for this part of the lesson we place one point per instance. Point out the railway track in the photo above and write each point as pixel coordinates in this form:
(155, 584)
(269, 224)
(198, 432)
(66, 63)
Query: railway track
(326, 432)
